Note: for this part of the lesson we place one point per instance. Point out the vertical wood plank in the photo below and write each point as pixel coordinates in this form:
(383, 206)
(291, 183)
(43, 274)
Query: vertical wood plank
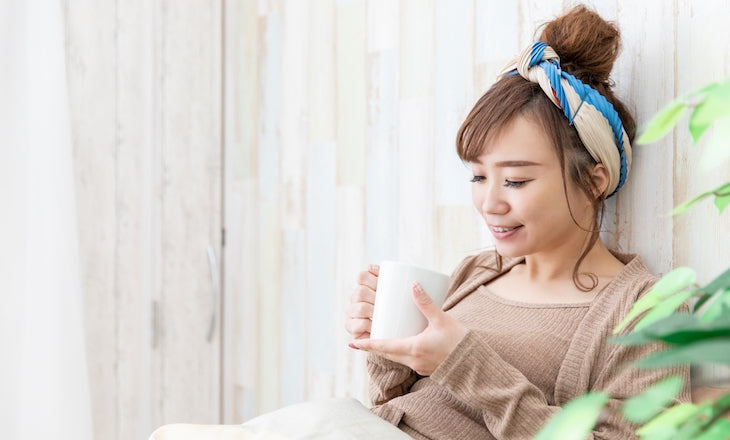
(321, 72)
(702, 57)
(241, 223)
(495, 41)
(416, 48)
(317, 285)
(641, 224)
(190, 208)
(323, 317)
(350, 55)
(415, 133)
(293, 215)
(91, 67)
(349, 260)
(138, 232)
(351, 91)
(453, 90)
(381, 226)
(533, 14)
(269, 289)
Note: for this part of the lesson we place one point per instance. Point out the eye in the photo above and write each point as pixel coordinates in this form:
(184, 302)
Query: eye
(477, 179)
(514, 183)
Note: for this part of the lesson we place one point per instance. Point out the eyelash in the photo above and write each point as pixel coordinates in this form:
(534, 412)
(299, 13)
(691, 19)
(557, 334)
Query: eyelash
(514, 183)
(507, 183)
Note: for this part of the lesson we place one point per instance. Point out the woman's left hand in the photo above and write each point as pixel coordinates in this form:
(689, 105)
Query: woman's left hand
(424, 352)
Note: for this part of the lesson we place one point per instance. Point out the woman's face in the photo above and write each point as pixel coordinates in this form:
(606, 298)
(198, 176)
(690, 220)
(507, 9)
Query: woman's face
(518, 189)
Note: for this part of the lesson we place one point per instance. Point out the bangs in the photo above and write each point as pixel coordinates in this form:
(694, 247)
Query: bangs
(507, 98)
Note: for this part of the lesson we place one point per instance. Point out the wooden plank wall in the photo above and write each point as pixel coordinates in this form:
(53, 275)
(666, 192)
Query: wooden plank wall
(146, 105)
(348, 110)
(319, 135)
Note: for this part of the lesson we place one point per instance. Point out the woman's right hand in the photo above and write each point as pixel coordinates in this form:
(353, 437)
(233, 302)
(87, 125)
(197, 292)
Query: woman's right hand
(360, 311)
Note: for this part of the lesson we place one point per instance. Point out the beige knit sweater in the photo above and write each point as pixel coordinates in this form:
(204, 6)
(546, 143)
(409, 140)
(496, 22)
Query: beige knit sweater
(519, 362)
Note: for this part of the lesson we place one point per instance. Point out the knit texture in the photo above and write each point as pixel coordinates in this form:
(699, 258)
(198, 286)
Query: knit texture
(506, 377)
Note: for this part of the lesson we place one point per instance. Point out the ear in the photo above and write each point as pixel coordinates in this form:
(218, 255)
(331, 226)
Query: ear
(600, 179)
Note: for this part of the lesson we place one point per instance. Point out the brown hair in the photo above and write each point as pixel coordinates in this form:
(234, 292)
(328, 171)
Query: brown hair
(587, 46)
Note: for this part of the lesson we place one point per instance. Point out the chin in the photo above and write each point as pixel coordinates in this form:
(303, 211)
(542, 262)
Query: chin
(509, 252)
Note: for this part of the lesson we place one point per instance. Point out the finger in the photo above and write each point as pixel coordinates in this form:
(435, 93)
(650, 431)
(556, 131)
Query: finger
(360, 310)
(368, 279)
(395, 350)
(358, 328)
(374, 269)
(424, 303)
(362, 294)
(390, 348)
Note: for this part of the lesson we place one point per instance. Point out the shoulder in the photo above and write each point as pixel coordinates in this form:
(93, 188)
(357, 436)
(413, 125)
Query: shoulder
(634, 280)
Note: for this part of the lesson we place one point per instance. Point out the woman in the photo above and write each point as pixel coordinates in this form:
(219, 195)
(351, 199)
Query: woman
(524, 329)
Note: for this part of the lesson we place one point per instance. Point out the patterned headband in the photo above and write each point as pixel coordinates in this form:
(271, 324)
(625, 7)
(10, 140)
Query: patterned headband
(595, 119)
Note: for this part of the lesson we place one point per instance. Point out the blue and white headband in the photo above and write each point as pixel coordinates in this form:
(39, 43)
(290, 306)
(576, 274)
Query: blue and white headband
(594, 118)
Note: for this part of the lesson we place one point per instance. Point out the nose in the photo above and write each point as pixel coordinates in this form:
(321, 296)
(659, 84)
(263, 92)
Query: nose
(489, 199)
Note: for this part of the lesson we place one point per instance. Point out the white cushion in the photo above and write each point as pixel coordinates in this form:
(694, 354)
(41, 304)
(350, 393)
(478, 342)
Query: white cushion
(331, 419)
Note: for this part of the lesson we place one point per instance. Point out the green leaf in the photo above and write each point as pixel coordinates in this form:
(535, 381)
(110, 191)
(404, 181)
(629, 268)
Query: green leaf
(721, 190)
(719, 283)
(575, 420)
(664, 309)
(667, 326)
(715, 105)
(721, 405)
(701, 352)
(702, 331)
(642, 407)
(722, 202)
(671, 418)
(722, 196)
(719, 308)
(671, 283)
(717, 149)
(678, 329)
(715, 287)
(662, 123)
(684, 207)
(720, 430)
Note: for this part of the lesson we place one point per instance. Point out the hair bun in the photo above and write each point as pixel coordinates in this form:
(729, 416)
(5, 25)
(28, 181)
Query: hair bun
(586, 44)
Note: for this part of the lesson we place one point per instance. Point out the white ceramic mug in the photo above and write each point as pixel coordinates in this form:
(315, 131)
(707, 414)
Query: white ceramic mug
(395, 315)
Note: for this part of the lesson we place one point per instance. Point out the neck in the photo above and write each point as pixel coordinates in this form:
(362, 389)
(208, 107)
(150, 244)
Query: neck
(559, 265)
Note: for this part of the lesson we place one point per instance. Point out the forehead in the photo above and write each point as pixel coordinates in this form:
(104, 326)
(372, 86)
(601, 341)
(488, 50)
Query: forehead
(522, 140)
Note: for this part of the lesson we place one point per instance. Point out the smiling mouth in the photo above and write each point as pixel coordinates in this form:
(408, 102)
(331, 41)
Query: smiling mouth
(502, 229)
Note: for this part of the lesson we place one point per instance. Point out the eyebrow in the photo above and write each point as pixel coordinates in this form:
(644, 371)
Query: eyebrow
(512, 163)
(516, 163)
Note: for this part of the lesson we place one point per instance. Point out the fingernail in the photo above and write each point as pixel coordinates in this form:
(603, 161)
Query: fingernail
(373, 268)
(353, 346)
(418, 287)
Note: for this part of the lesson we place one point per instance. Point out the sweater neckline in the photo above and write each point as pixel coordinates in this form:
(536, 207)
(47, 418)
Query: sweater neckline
(547, 305)
(629, 261)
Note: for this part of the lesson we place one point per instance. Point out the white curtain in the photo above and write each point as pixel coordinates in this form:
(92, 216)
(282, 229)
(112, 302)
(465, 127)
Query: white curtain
(44, 387)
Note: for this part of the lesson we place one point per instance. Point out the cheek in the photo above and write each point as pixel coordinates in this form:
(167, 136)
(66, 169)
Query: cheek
(476, 197)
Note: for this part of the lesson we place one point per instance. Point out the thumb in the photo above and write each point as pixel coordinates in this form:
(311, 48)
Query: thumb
(424, 302)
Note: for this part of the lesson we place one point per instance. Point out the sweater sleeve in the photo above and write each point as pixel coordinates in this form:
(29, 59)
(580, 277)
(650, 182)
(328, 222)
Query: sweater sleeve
(514, 408)
(388, 379)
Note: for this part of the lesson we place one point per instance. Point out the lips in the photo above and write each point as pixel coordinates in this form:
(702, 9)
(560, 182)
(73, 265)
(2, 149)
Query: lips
(501, 232)
(503, 228)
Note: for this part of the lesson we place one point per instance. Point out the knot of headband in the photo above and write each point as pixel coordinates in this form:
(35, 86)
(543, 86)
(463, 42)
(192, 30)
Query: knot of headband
(594, 118)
